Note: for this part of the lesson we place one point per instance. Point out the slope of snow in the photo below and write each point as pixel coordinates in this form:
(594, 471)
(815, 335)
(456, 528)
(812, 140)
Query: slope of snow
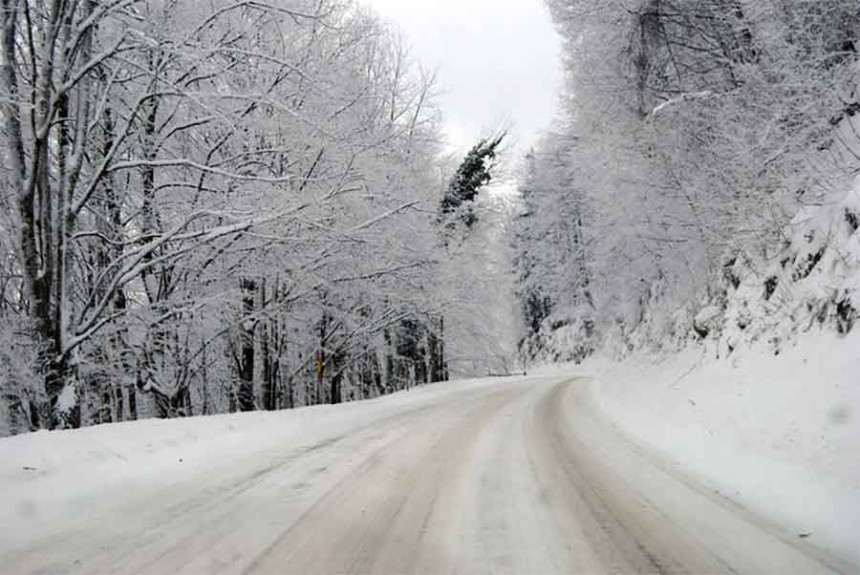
(755, 390)
(54, 475)
(779, 434)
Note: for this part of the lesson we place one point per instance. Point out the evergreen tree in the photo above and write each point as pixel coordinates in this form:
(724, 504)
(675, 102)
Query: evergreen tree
(474, 173)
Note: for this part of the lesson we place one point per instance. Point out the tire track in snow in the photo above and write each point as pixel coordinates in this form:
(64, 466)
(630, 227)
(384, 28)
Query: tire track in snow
(523, 476)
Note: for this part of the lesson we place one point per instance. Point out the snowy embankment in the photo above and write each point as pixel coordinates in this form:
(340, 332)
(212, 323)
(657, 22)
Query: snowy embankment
(756, 392)
(59, 475)
(780, 435)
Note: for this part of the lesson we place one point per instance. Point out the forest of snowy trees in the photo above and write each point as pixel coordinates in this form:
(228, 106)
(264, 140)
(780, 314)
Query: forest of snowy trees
(240, 205)
(217, 206)
(675, 199)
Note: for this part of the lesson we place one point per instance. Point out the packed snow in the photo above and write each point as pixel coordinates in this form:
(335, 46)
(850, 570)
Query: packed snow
(49, 477)
(455, 476)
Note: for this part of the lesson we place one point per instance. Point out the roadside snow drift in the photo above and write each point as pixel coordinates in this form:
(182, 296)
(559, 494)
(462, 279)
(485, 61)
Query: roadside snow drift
(779, 434)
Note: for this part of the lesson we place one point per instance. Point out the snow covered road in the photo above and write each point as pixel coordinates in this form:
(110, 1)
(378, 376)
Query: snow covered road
(518, 475)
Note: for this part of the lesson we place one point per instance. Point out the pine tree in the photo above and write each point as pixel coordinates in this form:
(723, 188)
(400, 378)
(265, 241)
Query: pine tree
(474, 173)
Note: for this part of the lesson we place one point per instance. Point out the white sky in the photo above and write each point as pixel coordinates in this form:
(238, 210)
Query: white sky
(498, 62)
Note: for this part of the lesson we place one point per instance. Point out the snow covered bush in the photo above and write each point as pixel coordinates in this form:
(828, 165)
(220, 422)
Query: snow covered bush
(813, 281)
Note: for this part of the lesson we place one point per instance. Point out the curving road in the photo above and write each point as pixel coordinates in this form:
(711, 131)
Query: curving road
(522, 476)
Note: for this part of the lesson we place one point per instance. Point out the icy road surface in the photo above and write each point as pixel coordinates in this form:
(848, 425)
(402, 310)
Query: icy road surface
(504, 476)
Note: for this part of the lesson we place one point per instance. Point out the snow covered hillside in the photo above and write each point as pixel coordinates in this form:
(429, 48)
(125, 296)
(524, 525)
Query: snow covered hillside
(690, 234)
(757, 393)
(780, 435)
(702, 183)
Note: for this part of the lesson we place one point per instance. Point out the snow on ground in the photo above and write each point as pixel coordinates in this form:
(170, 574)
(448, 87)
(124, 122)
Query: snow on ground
(511, 475)
(778, 434)
(85, 470)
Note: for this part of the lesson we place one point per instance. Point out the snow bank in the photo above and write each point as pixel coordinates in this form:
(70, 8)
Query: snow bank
(74, 471)
(46, 452)
(779, 435)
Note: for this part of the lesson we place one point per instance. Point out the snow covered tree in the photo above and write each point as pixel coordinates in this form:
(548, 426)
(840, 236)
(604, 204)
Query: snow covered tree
(701, 129)
(474, 173)
(188, 183)
(554, 280)
(476, 282)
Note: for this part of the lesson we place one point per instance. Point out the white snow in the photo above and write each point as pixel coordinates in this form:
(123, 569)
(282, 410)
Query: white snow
(680, 99)
(766, 409)
(221, 492)
(780, 435)
(48, 478)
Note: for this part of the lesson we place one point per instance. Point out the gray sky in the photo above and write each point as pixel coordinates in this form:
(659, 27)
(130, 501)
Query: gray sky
(498, 60)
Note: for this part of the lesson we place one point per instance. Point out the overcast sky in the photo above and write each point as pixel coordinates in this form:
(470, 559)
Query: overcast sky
(497, 59)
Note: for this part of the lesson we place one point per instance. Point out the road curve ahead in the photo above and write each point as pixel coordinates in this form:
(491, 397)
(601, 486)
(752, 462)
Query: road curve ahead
(521, 476)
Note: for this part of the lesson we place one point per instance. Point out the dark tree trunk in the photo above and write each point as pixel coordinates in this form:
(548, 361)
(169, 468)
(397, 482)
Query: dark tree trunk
(270, 395)
(390, 364)
(336, 389)
(132, 402)
(436, 345)
(270, 347)
(246, 368)
(337, 368)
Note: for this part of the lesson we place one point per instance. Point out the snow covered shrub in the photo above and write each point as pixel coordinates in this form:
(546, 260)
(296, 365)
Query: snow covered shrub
(813, 281)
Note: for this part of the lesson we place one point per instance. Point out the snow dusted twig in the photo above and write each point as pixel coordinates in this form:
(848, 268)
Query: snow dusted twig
(681, 99)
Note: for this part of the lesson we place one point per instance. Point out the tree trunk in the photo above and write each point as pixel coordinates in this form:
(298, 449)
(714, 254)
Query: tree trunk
(436, 344)
(388, 380)
(246, 369)
(269, 345)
